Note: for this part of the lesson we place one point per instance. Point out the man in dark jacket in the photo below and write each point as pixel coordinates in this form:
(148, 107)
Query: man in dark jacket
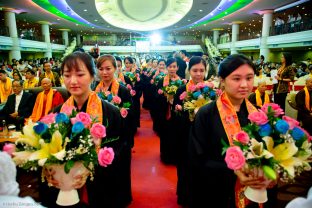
(18, 106)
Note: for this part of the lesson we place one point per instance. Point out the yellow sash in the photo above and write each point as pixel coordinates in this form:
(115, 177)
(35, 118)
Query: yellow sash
(231, 126)
(114, 88)
(5, 89)
(30, 83)
(307, 98)
(121, 77)
(94, 106)
(259, 100)
(50, 76)
(38, 108)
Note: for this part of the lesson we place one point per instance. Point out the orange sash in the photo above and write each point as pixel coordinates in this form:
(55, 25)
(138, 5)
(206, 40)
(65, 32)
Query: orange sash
(5, 90)
(94, 106)
(231, 126)
(121, 77)
(39, 105)
(307, 99)
(190, 83)
(114, 88)
(259, 100)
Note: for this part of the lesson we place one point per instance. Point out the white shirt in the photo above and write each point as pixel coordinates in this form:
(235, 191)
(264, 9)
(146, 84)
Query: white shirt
(18, 99)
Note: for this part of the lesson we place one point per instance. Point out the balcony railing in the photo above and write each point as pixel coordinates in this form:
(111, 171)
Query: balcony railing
(4, 31)
(296, 26)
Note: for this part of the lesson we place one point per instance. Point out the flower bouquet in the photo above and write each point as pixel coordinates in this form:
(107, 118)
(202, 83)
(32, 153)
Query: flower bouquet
(68, 146)
(272, 145)
(170, 88)
(134, 77)
(116, 101)
(157, 77)
(195, 97)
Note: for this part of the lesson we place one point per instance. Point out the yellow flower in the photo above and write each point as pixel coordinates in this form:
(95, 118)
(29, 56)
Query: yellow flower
(42, 153)
(189, 106)
(284, 154)
(21, 157)
(29, 136)
(258, 151)
(56, 143)
(200, 102)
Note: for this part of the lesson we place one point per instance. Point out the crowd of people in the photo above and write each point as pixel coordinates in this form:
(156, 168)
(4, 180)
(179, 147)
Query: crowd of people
(189, 139)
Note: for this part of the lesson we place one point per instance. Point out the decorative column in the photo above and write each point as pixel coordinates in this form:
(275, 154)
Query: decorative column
(46, 37)
(266, 25)
(10, 22)
(65, 36)
(78, 38)
(235, 33)
(215, 36)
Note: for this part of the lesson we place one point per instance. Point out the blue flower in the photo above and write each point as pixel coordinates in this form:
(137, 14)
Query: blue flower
(205, 89)
(196, 94)
(297, 133)
(77, 127)
(40, 128)
(282, 126)
(179, 82)
(109, 97)
(61, 118)
(212, 93)
(265, 130)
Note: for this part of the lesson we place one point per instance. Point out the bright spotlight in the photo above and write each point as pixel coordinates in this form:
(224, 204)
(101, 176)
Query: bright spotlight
(155, 39)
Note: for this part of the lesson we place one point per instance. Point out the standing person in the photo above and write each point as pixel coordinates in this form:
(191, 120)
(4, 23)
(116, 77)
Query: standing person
(164, 105)
(5, 86)
(284, 75)
(182, 123)
(107, 65)
(78, 70)
(212, 183)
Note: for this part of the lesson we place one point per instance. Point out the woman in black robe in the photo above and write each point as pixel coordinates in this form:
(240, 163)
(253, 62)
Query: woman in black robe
(212, 183)
(78, 70)
(182, 123)
(107, 65)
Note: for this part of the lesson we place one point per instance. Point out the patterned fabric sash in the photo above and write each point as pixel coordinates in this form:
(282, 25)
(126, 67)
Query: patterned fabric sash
(307, 99)
(114, 88)
(231, 126)
(94, 106)
(259, 100)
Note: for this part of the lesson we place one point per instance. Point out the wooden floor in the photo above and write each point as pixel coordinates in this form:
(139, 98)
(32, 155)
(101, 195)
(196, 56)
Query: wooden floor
(153, 183)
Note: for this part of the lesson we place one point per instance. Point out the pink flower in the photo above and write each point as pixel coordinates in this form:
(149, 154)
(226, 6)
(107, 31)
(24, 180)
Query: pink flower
(106, 156)
(9, 148)
(200, 85)
(48, 119)
(98, 131)
(275, 107)
(184, 81)
(259, 118)
(183, 95)
(160, 91)
(132, 92)
(152, 81)
(166, 84)
(234, 158)
(68, 109)
(117, 100)
(291, 122)
(210, 85)
(219, 92)
(192, 88)
(123, 112)
(138, 79)
(129, 87)
(107, 93)
(178, 108)
(84, 118)
(242, 137)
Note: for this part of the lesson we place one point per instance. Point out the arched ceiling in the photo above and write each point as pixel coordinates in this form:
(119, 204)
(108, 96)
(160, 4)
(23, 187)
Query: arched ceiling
(140, 15)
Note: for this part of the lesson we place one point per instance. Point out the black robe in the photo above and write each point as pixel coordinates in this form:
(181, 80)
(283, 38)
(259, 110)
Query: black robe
(304, 115)
(211, 181)
(104, 190)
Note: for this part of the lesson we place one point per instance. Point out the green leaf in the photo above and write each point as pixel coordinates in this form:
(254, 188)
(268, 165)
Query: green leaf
(68, 165)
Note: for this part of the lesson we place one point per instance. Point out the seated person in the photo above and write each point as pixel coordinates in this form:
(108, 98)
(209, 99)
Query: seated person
(46, 100)
(260, 96)
(5, 86)
(18, 106)
(9, 188)
(53, 76)
(304, 104)
(31, 80)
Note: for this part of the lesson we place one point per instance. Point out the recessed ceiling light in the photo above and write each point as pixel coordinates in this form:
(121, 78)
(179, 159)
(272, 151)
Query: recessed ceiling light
(96, 20)
(188, 20)
(58, 19)
(223, 19)
(200, 10)
(76, 24)
(85, 10)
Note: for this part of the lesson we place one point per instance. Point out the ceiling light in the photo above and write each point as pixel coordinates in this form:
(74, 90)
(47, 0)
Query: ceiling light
(96, 20)
(200, 10)
(85, 10)
(58, 19)
(155, 38)
(188, 20)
